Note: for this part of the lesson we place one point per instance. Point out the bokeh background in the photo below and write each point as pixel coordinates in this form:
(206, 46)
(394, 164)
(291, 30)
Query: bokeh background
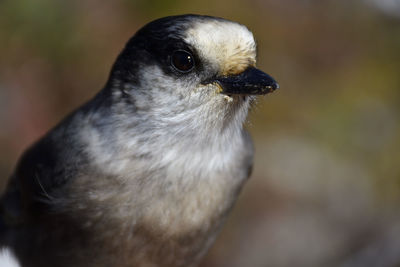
(325, 189)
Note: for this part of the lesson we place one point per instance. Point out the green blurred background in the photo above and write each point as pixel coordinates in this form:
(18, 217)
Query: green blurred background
(326, 184)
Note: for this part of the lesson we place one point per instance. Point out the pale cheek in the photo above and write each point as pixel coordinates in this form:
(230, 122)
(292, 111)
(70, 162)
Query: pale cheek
(209, 89)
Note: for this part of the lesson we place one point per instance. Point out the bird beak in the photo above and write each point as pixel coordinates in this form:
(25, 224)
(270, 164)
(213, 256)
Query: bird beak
(252, 81)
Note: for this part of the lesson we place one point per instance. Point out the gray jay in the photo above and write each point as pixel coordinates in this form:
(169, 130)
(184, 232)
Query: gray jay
(143, 174)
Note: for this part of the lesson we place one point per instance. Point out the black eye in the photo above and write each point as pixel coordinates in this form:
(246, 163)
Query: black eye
(183, 61)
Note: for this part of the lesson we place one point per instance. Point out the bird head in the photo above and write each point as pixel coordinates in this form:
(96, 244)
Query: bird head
(179, 66)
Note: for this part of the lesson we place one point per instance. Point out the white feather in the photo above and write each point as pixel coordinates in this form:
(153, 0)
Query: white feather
(7, 259)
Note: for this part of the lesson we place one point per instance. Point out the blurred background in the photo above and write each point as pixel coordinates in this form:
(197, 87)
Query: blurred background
(325, 189)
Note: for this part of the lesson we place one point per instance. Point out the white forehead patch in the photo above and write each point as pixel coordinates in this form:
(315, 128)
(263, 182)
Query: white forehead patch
(227, 44)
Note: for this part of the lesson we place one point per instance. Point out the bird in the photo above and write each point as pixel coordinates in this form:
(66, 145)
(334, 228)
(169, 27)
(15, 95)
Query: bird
(145, 173)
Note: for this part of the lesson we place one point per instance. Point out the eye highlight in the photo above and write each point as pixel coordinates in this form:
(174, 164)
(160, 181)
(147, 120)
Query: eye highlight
(182, 61)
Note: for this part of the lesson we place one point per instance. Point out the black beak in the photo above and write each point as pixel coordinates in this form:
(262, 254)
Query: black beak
(252, 81)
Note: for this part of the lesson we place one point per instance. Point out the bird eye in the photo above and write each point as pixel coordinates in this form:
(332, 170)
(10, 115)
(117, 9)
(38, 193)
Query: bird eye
(183, 61)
